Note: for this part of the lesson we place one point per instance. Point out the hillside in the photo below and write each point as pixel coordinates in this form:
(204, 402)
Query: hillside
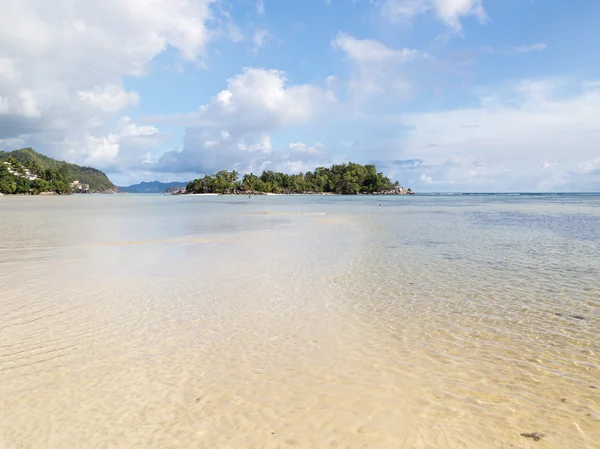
(151, 187)
(44, 166)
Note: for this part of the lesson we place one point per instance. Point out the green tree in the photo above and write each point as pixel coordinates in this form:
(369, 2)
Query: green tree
(40, 185)
(249, 182)
(348, 178)
(8, 181)
(23, 185)
(33, 165)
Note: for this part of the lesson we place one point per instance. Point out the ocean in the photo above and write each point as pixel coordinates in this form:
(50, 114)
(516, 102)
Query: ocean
(425, 321)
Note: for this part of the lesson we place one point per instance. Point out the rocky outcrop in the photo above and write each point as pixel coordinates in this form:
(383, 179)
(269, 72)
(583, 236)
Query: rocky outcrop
(79, 187)
(246, 192)
(395, 191)
(175, 190)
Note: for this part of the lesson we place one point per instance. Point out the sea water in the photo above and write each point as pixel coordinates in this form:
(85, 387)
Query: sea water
(132, 321)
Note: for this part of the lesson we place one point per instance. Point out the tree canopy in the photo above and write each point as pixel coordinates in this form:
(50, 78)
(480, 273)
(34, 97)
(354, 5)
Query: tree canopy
(348, 178)
(52, 175)
(13, 178)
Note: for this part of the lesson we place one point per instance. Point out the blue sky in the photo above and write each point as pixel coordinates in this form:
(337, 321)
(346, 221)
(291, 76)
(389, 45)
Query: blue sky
(444, 95)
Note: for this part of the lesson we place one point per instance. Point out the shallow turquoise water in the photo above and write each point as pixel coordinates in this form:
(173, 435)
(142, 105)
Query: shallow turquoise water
(440, 321)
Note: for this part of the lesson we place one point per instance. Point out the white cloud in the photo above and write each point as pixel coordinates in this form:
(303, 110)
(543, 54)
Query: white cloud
(110, 98)
(26, 103)
(125, 148)
(507, 141)
(258, 95)
(259, 39)
(303, 148)
(591, 166)
(7, 69)
(21, 103)
(100, 150)
(370, 51)
(449, 12)
(256, 103)
(426, 179)
(517, 50)
(399, 10)
(332, 81)
(378, 70)
(63, 64)
(261, 145)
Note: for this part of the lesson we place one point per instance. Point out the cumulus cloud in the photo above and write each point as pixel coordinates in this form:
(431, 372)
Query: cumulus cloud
(450, 12)
(21, 103)
(263, 98)
(234, 129)
(109, 98)
(127, 146)
(63, 64)
(426, 179)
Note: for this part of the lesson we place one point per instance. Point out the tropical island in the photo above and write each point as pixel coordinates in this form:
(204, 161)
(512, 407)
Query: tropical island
(342, 179)
(28, 172)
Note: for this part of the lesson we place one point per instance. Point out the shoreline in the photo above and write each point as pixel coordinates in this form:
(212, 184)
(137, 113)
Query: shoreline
(292, 194)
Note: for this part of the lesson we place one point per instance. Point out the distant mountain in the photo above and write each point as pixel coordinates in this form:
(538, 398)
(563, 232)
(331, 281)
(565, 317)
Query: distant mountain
(46, 168)
(151, 187)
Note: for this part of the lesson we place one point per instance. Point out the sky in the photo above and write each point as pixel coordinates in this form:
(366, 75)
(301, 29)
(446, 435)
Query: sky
(443, 95)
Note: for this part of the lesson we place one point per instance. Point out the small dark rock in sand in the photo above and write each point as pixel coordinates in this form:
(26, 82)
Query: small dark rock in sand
(536, 436)
(591, 386)
(578, 317)
(558, 314)
(563, 400)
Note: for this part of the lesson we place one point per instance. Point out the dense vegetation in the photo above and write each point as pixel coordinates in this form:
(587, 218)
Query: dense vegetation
(47, 180)
(57, 174)
(343, 179)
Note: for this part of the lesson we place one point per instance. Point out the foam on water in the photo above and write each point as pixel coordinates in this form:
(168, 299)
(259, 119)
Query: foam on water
(170, 322)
